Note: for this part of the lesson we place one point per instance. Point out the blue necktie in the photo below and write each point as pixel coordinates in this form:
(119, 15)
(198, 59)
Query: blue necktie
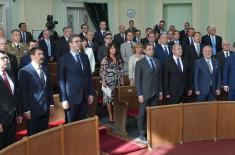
(213, 45)
(79, 62)
(178, 64)
(152, 64)
(165, 50)
(42, 76)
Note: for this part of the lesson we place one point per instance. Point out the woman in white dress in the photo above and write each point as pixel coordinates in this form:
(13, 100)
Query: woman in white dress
(137, 55)
(89, 53)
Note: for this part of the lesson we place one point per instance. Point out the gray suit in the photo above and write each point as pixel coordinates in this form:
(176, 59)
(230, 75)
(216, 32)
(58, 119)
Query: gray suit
(126, 53)
(149, 84)
(102, 52)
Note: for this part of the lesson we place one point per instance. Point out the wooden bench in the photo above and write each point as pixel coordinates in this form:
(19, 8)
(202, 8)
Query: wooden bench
(126, 103)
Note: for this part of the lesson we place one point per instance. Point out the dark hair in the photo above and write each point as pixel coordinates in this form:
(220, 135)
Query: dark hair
(162, 21)
(191, 28)
(109, 46)
(234, 44)
(82, 40)
(146, 45)
(107, 34)
(31, 41)
(150, 33)
(131, 21)
(73, 36)
(21, 24)
(33, 50)
(15, 30)
(148, 28)
(197, 33)
(67, 27)
(83, 25)
(129, 31)
(137, 31)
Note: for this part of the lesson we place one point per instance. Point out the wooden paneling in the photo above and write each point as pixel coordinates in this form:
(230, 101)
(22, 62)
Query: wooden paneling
(46, 143)
(199, 121)
(226, 120)
(164, 125)
(19, 148)
(82, 138)
(53, 73)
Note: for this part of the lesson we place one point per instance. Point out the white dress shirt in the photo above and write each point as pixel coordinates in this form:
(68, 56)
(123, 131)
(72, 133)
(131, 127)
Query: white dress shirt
(90, 54)
(37, 69)
(181, 63)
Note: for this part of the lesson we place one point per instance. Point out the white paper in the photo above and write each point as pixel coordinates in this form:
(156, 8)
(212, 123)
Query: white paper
(107, 90)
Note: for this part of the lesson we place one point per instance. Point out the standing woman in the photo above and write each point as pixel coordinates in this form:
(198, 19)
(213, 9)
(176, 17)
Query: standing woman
(111, 73)
(137, 55)
(89, 53)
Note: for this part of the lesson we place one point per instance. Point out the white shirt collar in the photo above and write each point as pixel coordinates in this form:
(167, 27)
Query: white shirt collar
(35, 65)
(175, 58)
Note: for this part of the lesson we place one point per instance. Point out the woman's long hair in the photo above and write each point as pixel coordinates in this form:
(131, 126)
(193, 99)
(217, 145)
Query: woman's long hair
(117, 55)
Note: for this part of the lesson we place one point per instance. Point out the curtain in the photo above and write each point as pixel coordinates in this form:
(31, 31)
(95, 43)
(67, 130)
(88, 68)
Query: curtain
(97, 12)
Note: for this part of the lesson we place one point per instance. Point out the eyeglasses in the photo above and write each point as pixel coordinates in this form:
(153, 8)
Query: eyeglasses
(4, 58)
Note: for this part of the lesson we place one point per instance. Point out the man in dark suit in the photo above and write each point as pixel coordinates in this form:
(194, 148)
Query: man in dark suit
(85, 29)
(176, 40)
(176, 76)
(93, 45)
(9, 105)
(120, 37)
(36, 93)
(47, 46)
(207, 80)
(13, 65)
(131, 28)
(137, 37)
(75, 82)
(25, 35)
(189, 39)
(25, 60)
(99, 35)
(213, 40)
(102, 50)
(163, 50)
(148, 85)
(145, 40)
(229, 78)
(184, 33)
(152, 39)
(62, 45)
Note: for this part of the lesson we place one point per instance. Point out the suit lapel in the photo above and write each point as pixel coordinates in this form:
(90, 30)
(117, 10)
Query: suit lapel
(74, 62)
(148, 65)
(35, 74)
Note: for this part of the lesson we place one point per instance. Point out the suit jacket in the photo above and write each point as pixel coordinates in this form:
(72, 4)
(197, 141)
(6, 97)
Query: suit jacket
(24, 61)
(160, 53)
(221, 57)
(148, 82)
(9, 104)
(135, 40)
(62, 47)
(229, 72)
(81, 35)
(44, 47)
(144, 41)
(74, 82)
(203, 79)
(13, 64)
(175, 81)
(95, 49)
(126, 53)
(118, 39)
(183, 35)
(99, 38)
(206, 40)
(186, 41)
(36, 97)
(12, 49)
(102, 52)
(29, 37)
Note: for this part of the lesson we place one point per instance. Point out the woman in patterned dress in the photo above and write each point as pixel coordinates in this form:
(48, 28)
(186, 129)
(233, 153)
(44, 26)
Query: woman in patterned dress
(111, 73)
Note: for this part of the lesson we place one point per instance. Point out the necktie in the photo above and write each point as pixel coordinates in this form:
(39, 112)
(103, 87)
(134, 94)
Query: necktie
(48, 47)
(213, 44)
(6, 82)
(178, 64)
(24, 37)
(209, 66)
(226, 54)
(91, 45)
(152, 64)
(165, 50)
(41, 75)
(18, 47)
(198, 49)
(79, 62)
(190, 40)
(131, 45)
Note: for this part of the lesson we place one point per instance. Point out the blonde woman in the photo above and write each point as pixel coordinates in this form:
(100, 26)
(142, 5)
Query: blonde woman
(137, 55)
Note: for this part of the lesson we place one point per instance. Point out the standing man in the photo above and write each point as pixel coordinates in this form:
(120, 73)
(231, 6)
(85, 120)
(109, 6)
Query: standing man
(75, 82)
(148, 85)
(207, 76)
(229, 78)
(176, 76)
(184, 33)
(120, 37)
(84, 29)
(25, 35)
(36, 93)
(62, 45)
(9, 107)
(99, 35)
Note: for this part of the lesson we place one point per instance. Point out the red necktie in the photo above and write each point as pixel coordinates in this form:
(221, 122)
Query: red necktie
(6, 82)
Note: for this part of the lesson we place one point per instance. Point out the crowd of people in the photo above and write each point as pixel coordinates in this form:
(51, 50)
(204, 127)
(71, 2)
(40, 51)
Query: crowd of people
(166, 64)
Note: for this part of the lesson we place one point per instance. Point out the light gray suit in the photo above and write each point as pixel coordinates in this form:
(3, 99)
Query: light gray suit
(148, 83)
(126, 53)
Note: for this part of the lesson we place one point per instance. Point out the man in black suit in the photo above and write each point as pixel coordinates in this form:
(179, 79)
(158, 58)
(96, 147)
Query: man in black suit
(25, 60)
(137, 37)
(176, 76)
(102, 50)
(25, 35)
(148, 80)
(145, 40)
(212, 39)
(120, 37)
(85, 29)
(48, 47)
(170, 36)
(13, 65)
(184, 33)
(176, 40)
(99, 35)
(36, 93)
(93, 45)
(131, 28)
(62, 45)
(9, 105)
(189, 39)
(152, 39)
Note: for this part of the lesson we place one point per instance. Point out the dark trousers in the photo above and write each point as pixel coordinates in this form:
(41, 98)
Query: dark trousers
(231, 95)
(174, 100)
(37, 124)
(208, 97)
(152, 101)
(8, 136)
(76, 112)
